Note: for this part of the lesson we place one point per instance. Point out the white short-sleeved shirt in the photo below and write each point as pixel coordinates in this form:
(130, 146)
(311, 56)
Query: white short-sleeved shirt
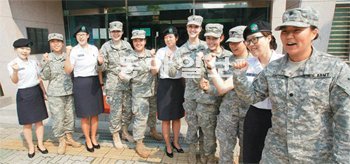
(163, 66)
(84, 60)
(28, 72)
(254, 69)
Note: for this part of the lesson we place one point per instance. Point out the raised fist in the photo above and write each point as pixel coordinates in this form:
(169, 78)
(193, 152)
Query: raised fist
(46, 57)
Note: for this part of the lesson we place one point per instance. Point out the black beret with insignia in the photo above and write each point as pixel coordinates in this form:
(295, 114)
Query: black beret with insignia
(81, 29)
(258, 26)
(22, 42)
(170, 30)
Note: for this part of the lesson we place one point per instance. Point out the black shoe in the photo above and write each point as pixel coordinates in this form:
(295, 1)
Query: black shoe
(89, 149)
(170, 155)
(96, 146)
(31, 155)
(42, 151)
(178, 150)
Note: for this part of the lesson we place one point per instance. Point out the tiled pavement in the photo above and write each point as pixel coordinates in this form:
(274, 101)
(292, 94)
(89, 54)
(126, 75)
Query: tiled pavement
(13, 148)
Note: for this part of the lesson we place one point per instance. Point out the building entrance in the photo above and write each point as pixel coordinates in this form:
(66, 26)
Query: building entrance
(156, 16)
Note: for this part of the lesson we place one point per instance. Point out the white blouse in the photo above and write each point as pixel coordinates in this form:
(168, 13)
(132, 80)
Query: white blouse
(163, 65)
(254, 69)
(84, 60)
(28, 72)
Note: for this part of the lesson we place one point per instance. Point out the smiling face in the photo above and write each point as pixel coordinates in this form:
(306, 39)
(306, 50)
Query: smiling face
(238, 48)
(139, 44)
(23, 52)
(170, 40)
(193, 31)
(258, 44)
(82, 38)
(213, 42)
(116, 35)
(297, 41)
(56, 45)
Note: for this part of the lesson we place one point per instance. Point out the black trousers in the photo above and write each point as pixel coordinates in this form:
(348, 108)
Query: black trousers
(256, 124)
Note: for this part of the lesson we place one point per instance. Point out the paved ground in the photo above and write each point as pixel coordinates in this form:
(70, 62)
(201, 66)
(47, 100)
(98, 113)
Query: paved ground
(13, 148)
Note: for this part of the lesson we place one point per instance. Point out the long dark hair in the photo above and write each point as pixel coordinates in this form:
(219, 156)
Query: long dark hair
(273, 44)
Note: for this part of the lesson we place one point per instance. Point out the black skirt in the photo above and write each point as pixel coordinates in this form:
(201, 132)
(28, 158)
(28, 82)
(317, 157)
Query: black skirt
(31, 106)
(170, 96)
(87, 95)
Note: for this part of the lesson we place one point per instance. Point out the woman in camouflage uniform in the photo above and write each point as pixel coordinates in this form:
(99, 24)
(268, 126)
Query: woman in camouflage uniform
(59, 93)
(232, 113)
(310, 95)
(137, 70)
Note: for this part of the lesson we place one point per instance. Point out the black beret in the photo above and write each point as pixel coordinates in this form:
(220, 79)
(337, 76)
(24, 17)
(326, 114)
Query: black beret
(81, 28)
(258, 26)
(22, 42)
(170, 30)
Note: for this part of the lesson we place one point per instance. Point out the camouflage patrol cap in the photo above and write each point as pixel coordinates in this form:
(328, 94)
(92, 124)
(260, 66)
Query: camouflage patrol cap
(138, 34)
(115, 26)
(213, 29)
(195, 19)
(56, 36)
(299, 17)
(236, 34)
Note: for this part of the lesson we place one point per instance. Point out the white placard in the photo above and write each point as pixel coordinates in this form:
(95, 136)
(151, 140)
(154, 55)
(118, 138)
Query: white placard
(95, 33)
(103, 33)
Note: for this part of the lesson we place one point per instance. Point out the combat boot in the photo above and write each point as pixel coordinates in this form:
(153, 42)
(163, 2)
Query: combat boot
(117, 142)
(192, 151)
(126, 135)
(155, 135)
(141, 150)
(70, 141)
(61, 145)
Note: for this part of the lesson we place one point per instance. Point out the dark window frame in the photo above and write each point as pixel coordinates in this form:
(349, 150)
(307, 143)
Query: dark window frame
(39, 39)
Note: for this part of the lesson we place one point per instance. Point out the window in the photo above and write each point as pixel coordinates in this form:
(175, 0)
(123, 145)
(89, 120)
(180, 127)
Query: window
(340, 34)
(39, 38)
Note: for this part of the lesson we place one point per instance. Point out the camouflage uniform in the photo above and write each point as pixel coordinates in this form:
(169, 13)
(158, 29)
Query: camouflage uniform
(189, 70)
(152, 117)
(310, 109)
(143, 91)
(117, 91)
(208, 107)
(59, 92)
(231, 113)
(230, 123)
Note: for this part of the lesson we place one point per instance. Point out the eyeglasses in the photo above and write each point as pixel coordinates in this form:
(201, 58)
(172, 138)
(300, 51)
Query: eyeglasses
(253, 40)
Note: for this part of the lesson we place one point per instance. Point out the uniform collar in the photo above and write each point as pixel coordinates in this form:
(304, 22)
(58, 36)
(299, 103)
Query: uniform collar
(199, 46)
(306, 68)
(58, 57)
(122, 45)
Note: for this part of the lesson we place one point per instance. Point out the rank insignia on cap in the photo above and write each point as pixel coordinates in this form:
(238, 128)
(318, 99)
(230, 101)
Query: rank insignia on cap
(83, 28)
(170, 30)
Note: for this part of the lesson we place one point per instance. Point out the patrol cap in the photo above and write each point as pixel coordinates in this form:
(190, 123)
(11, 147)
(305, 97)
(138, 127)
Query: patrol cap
(258, 26)
(214, 30)
(170, 30)
(115, 26)
(236, 34)
(195, 19)
(81, 29)
(56, 36)
(299, 17)
(22, 42)
(138, 34)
